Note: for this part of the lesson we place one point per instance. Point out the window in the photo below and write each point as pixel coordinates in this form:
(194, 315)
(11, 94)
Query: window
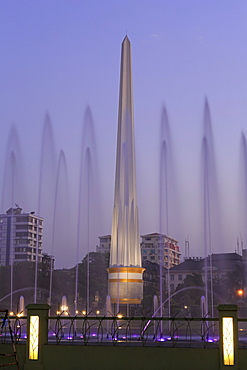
(20, 256)
(22, 219)
(152, 257)
(21, 234)
(180, 277)
(172, 277)
(21, 227)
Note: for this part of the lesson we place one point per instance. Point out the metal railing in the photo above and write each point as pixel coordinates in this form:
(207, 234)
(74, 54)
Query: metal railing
(134, 331)
(145, 331)
(18, 326)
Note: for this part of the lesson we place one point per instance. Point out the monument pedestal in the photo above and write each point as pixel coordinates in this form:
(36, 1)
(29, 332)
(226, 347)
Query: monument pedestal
(125, 284)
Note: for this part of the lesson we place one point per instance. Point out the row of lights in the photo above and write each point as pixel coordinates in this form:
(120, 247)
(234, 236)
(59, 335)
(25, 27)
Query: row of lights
(20, 314)
(65, 312)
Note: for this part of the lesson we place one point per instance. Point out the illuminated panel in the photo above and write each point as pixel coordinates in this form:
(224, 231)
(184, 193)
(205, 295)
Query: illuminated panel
(34, 338)
(228, 343)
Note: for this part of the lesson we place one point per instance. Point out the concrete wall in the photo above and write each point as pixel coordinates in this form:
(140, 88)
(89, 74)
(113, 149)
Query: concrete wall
(122, 358)
(73, 357)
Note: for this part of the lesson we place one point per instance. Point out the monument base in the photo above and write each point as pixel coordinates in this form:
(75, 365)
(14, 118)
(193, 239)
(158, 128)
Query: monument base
(125, 284)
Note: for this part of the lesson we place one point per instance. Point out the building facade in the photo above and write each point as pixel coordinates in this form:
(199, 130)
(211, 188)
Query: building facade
(219, 265)
(104, 244)
(157, 246)
(151, 247)
(20, 237)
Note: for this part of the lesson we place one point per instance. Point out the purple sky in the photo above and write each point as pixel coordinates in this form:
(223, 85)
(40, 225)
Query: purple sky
(60, 56)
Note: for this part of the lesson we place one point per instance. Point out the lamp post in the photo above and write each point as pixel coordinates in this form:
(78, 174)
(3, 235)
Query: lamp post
(228, 326)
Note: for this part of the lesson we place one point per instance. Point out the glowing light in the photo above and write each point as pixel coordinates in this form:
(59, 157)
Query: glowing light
(185, 307)
(77, 312)
(97, 312)
(34, 338)
(119, 316)
(11, 313)
(58, 312)
(20, 314)
(228, 341)
(84, 312)
(240, 292)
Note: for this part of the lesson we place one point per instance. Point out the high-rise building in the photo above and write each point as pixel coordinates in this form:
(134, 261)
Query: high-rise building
(20, 237)
(156, 245)
(125, 274)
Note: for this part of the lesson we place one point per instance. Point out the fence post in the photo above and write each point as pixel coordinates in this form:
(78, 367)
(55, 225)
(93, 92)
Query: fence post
(37, 335)
(228, 328)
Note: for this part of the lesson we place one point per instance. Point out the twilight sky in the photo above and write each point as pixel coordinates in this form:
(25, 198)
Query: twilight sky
(62, 56)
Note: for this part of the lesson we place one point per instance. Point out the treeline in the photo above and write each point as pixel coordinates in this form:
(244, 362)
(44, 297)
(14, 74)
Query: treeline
(186, 301)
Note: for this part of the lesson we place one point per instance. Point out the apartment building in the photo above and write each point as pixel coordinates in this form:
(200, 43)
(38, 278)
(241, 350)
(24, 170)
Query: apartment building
(20, 237)
(156, 246)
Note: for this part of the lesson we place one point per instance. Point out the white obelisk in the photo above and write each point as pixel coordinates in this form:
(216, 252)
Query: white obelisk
(125, 282)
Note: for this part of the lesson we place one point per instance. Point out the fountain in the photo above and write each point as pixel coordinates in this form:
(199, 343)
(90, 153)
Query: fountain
(212, 236)
(167, 199)
(64, 305)
(66, 190)
(88, 203)
(21, 310)
(109, 313)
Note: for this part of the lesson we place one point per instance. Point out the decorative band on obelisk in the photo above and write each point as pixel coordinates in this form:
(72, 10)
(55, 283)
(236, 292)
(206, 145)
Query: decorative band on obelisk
(125, 282)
